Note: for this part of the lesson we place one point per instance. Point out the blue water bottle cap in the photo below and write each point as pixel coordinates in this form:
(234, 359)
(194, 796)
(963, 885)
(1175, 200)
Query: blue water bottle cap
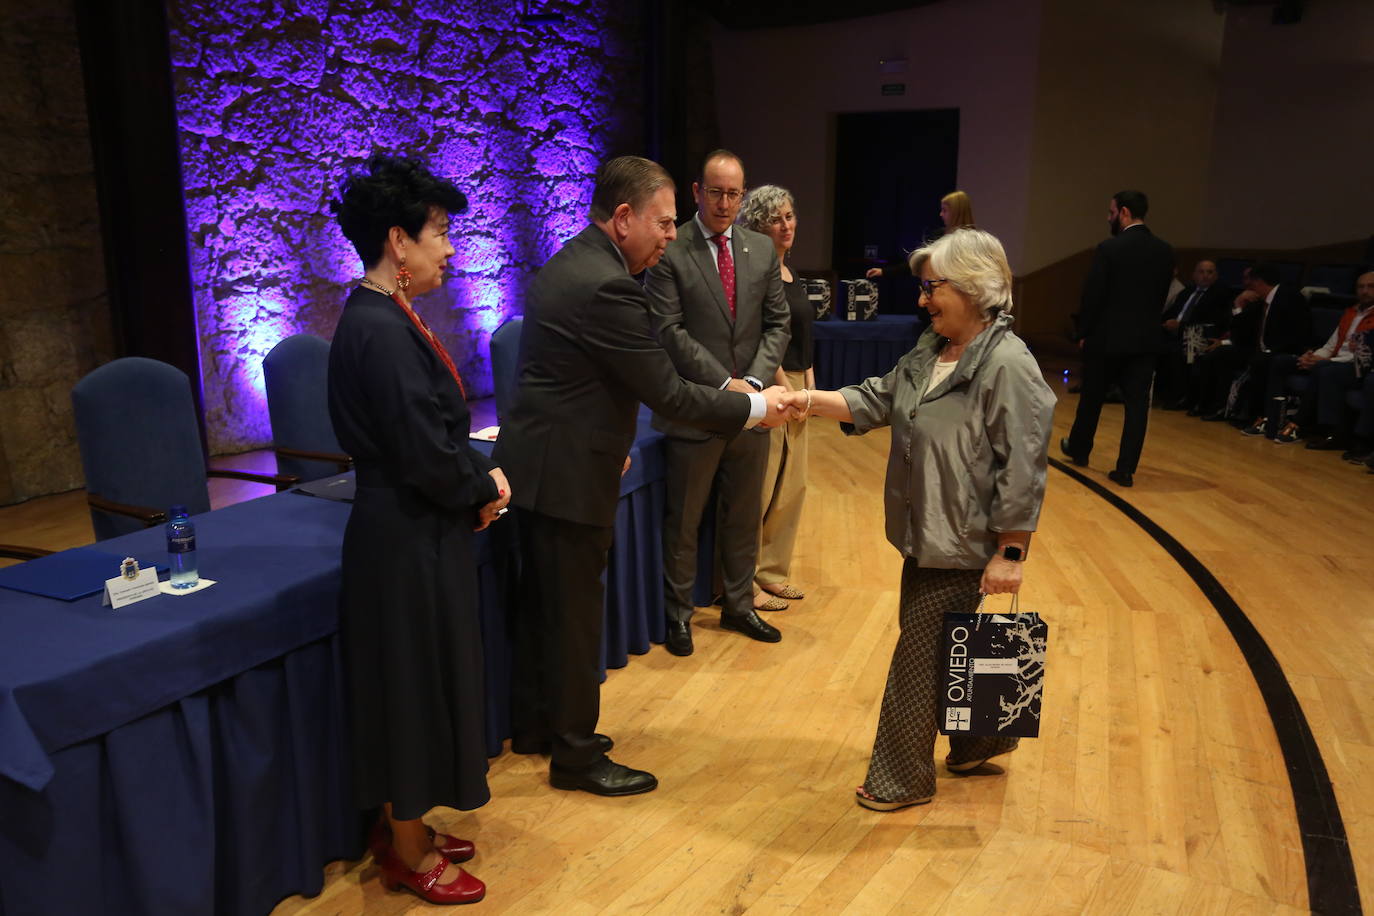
(177, 512)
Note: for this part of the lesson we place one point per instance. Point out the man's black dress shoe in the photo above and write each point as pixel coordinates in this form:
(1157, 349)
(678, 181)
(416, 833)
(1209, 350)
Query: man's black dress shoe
(1121, 478)
(545, 746)
(1215, 417)
(1068, 453)
(1195, 411)
(1326, 443)
(605, 777)
(679, 638)
(750, 625)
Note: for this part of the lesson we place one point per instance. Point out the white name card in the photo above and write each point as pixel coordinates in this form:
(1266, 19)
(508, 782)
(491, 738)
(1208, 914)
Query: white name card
(120, 591)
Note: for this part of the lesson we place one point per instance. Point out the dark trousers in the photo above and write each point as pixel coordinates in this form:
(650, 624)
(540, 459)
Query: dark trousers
(1252, 400)
(1214, 373)
(1364, 423)
(556, 683)
(738, 464)
(1133, 372)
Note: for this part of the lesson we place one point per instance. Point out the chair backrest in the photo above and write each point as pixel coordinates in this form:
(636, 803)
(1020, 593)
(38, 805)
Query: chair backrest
(505, 363)
(136, 427)
(1324, 321)
(296, 374)
(1337, 278)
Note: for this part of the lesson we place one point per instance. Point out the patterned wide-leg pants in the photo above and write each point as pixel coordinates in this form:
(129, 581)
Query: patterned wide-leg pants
(903, 766)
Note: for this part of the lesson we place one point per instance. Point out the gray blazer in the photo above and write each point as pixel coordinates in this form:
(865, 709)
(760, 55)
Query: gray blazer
(693, 316)
(968, 459)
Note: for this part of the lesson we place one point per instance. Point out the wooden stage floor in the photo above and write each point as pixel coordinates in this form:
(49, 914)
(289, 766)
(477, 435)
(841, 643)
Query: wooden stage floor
(1157, 786)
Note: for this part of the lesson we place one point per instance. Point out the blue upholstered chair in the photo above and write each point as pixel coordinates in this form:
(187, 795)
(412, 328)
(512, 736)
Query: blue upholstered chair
(505, 361)
(15, 552)
(140, 446)
(296, 373)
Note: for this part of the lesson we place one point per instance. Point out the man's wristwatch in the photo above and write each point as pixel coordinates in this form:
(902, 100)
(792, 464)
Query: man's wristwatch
(753, 383)
(1013, 553)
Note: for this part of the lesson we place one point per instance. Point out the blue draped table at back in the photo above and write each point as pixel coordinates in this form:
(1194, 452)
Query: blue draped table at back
(187, 755)
(847, 352)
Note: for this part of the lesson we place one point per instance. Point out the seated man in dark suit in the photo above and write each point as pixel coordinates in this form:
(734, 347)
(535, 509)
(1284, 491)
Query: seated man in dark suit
(1332, 369)
(1199, 309)
(1266, 319)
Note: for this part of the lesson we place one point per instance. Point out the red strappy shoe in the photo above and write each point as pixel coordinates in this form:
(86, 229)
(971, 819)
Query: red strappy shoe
(463, 889)
(450, 847)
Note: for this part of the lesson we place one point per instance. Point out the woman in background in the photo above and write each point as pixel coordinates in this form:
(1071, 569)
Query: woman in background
(771, 210)
(956, 212)
(411, 639)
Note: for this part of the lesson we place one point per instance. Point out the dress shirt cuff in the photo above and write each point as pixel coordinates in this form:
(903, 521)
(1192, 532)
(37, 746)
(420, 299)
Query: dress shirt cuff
(758, 385)
(757, 408)
(725, 384)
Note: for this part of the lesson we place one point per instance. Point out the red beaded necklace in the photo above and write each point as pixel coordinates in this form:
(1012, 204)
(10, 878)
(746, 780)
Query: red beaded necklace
(424, 330)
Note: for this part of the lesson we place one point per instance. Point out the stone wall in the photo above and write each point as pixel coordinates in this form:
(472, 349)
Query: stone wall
(278, 102)
(54, 313)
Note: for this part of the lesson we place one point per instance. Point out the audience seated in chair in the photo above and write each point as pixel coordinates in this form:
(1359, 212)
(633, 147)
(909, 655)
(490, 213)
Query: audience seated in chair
(1200, 310)
(1267, 318)
(1332, 369)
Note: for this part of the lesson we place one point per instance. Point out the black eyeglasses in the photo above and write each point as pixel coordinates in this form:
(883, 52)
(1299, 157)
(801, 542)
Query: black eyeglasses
(928, 287)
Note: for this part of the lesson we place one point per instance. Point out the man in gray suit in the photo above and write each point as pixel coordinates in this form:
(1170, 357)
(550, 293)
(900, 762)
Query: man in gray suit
(723, 318)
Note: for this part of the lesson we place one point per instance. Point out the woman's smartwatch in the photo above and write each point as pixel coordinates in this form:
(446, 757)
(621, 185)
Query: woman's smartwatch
(1013, 553)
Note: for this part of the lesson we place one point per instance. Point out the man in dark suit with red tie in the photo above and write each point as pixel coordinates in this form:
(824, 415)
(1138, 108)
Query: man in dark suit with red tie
(588, 356)
(1119, 321)
(723, 318)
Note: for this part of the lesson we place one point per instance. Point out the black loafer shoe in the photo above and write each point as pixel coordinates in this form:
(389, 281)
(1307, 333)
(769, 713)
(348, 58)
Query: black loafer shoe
(605, 777)
(1068, 453)
(545, 746)
(750, 625)
(679, 638)
(1120, 478)
(1194, 411)
(1325, 444)
(1214, 417)
(1358, 455)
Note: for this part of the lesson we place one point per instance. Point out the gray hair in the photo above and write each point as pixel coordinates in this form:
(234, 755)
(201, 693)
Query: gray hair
(974, 263)
(761, 203)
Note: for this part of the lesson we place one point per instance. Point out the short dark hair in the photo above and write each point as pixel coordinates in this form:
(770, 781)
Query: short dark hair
(392, 191)
(718, 154)
(1135, 201)
(1267, 271)
(627, 180)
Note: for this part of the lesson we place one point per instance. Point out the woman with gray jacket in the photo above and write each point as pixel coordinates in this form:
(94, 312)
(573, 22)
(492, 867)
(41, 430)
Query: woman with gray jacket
(970, 415)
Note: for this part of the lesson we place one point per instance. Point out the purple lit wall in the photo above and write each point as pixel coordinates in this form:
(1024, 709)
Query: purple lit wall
(277, 103)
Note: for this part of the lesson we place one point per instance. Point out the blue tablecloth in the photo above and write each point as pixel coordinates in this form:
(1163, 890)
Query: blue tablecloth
(187, 755)
(847, 352)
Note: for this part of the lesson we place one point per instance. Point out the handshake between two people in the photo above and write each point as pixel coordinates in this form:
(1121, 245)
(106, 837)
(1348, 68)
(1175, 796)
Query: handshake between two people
(785, 404)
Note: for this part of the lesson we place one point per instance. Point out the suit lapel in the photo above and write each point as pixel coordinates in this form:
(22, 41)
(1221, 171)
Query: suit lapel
(744, 274)
(699, 244)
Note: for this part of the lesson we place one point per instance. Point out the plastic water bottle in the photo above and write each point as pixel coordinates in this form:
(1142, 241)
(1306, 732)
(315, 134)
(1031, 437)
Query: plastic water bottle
(181, 549)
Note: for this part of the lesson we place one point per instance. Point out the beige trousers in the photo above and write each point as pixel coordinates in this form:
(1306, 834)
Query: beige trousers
(784, 491)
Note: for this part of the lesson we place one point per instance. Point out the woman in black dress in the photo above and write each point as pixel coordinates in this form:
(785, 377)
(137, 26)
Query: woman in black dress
(412, 644)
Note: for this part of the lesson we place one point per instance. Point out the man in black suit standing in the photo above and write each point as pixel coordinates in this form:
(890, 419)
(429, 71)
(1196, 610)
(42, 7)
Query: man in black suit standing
(1202, 306)
(1119, 319)
(588, 356)
(723, 318)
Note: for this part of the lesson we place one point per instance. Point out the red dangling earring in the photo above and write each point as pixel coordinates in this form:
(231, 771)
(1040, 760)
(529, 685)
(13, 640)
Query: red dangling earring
(402, 275)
